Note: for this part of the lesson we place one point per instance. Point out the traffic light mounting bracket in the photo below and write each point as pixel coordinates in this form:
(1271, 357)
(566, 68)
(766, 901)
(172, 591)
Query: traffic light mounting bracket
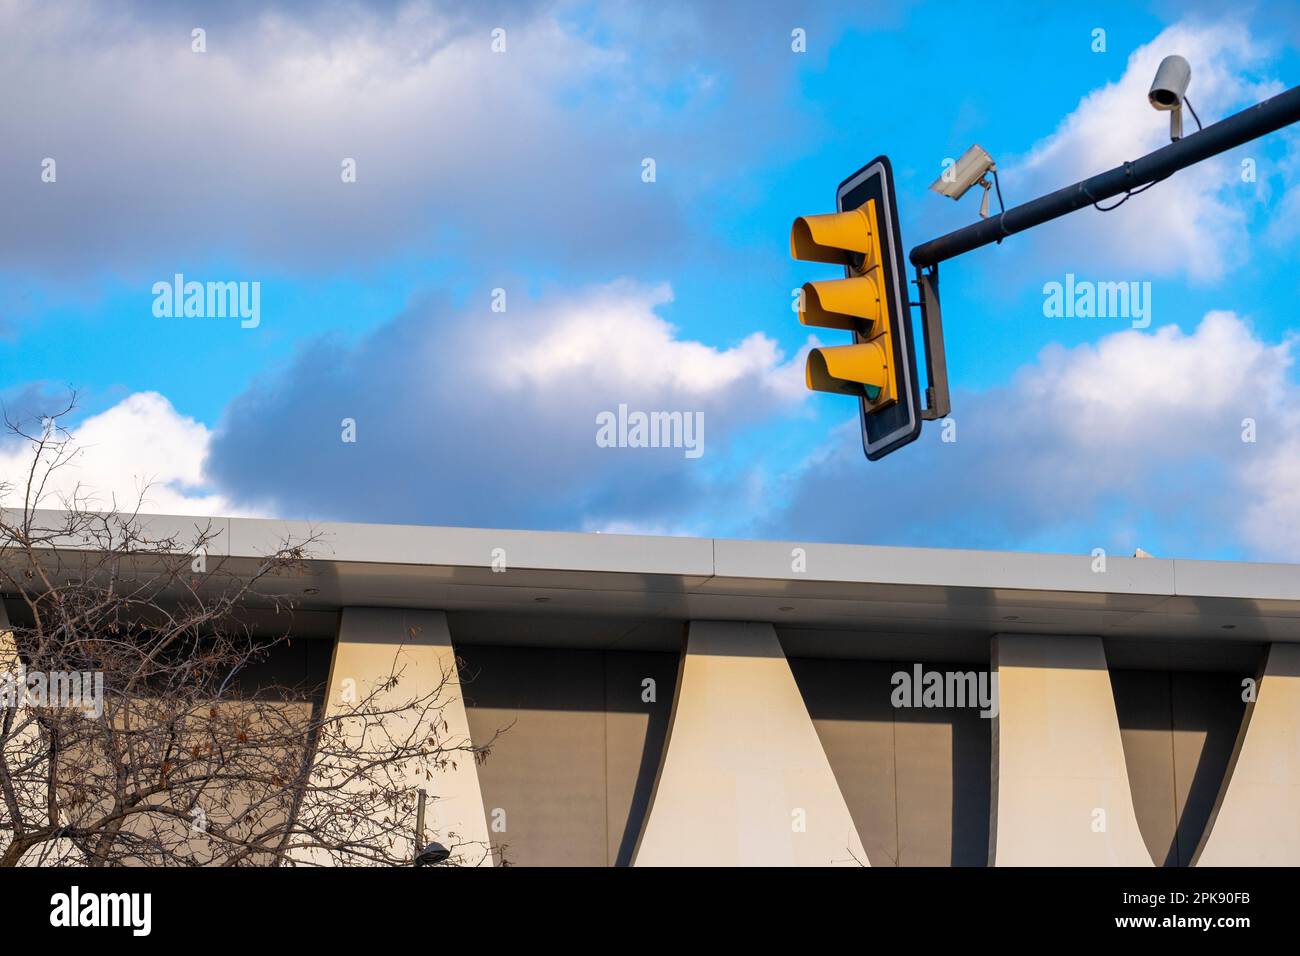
(937, 402)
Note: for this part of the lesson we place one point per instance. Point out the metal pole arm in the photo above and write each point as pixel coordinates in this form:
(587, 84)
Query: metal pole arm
(1251, 123)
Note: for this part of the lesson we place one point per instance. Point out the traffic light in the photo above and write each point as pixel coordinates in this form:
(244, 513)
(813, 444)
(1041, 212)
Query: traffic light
(879, 368)
(856, 304)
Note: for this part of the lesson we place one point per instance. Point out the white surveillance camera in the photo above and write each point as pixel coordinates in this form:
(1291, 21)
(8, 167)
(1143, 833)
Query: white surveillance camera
(963, 174)
(971, 168)
(1169, 90)
(1170, 85)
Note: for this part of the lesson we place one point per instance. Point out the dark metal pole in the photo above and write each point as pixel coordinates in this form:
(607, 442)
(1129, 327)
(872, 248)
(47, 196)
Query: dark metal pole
(1251, 123)
(937, 401)
(419, 822)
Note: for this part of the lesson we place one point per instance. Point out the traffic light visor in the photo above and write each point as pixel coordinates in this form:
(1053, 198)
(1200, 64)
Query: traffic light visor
(848, 370)
(852, 304)
(834, 237)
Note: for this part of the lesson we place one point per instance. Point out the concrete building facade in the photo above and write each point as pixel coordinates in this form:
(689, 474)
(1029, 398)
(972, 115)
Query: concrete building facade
(676, 701)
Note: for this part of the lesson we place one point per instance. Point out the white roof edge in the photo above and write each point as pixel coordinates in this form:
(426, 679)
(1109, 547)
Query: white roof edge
(740, 560)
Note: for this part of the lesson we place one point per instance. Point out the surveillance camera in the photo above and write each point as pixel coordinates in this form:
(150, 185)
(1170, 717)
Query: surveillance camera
(1169, 89)
(963, 174)
(1170, 84)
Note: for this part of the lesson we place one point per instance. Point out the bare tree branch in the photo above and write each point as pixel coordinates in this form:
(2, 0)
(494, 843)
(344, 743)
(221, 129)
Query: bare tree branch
(180, 755)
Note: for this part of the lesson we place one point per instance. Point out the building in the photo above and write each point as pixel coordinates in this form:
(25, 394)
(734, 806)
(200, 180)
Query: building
(704, 701)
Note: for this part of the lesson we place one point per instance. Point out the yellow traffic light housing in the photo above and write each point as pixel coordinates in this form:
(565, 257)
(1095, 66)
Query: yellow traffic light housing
(871, 301)
(858, 303)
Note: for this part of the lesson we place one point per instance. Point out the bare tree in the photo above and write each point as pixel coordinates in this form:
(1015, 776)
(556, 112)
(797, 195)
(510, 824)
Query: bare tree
(134, 728)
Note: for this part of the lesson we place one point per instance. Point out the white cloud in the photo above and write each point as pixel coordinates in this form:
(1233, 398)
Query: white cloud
(140, 451)
(473, 417)
(1190, 223)
(612, 337)
(1112, 444)
(1130, 387)
(1270, 523)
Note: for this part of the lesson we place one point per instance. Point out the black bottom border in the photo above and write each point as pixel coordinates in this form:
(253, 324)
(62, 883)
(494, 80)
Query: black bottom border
(470, 907)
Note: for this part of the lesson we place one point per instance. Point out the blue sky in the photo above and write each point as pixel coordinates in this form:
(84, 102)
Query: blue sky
(522, 169)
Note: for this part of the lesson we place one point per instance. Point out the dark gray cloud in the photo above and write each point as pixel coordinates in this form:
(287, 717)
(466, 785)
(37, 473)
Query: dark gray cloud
(166, 158)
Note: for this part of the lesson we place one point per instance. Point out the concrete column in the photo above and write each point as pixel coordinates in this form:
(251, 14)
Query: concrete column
(744, 780)
(1256, 821)
(1060, 786)
(372, 643)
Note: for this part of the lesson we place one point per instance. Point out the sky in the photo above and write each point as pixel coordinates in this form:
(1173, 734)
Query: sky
(475, 229)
